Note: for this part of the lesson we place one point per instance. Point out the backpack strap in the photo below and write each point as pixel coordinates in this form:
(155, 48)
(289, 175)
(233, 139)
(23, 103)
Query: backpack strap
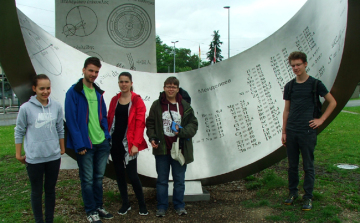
(291, 83)
(316, 99)
(314, 92)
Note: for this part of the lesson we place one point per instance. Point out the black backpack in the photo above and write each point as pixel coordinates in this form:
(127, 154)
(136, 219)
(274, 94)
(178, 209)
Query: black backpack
(316, 99)
(185, 95)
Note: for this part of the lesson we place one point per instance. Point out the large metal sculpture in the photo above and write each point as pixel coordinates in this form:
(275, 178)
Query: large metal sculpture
(119, 32)
(238, 102)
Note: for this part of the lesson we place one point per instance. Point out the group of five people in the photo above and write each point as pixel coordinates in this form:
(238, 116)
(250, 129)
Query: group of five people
(94, 133)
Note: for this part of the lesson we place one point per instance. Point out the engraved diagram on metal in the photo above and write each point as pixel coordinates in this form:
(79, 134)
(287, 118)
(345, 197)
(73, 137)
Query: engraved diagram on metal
(80, 21)
(129, 25)
(42, 52)
(94, 54)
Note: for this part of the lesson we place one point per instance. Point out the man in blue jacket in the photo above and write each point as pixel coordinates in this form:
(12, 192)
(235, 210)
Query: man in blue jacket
(85, 114)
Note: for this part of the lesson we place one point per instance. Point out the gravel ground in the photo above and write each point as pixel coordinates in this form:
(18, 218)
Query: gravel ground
(224, 204)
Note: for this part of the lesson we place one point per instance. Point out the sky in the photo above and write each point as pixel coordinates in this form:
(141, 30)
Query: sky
(192, 22)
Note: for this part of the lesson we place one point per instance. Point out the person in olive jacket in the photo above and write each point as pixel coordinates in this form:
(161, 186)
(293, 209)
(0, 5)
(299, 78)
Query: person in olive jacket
(171, 110)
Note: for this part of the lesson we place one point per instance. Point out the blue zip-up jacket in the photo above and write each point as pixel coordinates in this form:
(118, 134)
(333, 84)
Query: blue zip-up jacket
(77, 117)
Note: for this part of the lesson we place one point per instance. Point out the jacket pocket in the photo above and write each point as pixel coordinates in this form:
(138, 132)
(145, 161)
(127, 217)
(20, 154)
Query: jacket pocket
(43, 148)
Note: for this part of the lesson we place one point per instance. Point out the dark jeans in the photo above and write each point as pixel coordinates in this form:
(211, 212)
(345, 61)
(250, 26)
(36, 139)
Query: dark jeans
(131, 170)
(304, 143)
(92, 167)
(163, 163)
(36, 173)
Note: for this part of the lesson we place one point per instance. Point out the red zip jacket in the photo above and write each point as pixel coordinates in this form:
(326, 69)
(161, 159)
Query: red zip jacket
(136, 121)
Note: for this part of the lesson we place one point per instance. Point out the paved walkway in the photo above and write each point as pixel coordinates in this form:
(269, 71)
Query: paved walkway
(8, 119)
(354, 113)
(353, 103)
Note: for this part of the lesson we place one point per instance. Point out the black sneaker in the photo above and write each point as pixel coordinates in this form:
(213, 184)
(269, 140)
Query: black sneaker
(307, 205)
(181, 211)
(93, 217)
(104, 214)
(160, 213)
(143, 211)
(290, 200)
(124, 209)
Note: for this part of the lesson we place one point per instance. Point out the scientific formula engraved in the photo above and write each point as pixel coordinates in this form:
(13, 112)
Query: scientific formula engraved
(42, 52)
(129, 25)
(80, 21)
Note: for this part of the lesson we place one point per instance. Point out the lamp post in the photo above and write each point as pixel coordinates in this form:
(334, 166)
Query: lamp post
(174, 53)
(228, 8)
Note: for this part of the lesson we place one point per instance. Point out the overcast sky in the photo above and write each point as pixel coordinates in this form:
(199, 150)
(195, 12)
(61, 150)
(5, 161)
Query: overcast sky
(192, 22)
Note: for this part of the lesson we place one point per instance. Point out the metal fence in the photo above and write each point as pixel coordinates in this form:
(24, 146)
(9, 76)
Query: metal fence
(9, 103)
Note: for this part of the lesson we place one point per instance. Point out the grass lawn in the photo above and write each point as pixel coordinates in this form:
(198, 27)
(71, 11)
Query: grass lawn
(336, 193)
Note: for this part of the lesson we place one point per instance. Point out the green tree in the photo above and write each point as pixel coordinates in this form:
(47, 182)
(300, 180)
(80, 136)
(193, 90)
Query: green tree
(163, 56)
(184, 61)
(215, 42)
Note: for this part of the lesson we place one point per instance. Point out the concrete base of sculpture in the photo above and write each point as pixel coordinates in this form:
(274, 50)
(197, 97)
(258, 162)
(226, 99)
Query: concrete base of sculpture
(193, 191)
(68, 163)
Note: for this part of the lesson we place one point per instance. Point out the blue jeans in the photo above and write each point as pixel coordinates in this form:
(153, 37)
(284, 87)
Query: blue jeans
(92, 167)
(304, 143)
(163, 163)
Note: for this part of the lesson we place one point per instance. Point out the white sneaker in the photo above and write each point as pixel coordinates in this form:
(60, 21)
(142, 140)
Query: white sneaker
(94, 217)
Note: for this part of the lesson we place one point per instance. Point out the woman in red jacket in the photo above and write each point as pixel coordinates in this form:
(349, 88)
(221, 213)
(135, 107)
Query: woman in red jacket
(126, 118)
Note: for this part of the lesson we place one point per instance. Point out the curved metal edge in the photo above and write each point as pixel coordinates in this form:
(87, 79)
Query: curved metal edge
(346, 80)
(14, 57)
(348, 75)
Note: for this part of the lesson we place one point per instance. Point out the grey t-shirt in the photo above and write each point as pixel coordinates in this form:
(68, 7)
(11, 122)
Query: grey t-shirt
(302, 103)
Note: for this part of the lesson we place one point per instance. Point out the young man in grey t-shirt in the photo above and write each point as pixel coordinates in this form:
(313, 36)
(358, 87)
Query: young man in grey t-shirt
(299, 126)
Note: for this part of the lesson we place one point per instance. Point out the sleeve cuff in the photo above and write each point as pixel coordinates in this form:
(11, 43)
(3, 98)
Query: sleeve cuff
(18, 140)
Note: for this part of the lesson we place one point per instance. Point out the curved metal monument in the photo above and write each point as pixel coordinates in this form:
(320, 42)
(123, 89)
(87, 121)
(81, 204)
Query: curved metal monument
(238, 102)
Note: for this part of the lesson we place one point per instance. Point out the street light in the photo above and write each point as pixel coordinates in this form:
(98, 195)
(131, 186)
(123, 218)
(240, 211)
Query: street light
(228, 8)
(174, 53)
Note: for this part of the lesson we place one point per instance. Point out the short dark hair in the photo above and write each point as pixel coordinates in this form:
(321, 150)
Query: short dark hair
(92, 60)
(297, 55)
(172, 80)
(126, 74)
(39, 77)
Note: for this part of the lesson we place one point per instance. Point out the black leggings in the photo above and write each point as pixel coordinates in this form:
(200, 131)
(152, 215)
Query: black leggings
(36, 173)
(131, 170)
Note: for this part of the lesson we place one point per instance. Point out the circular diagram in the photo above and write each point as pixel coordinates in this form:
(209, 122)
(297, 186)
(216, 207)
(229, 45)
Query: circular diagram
(42, 52)
(80, 21)
(129, 25)
(94, 54)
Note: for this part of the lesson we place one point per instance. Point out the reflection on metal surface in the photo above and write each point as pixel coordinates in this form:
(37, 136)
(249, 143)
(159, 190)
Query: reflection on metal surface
(238, 102)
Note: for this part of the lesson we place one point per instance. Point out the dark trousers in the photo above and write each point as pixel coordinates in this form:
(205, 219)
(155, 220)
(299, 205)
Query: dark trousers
(131, 171)
(304, 143)
(36, 173)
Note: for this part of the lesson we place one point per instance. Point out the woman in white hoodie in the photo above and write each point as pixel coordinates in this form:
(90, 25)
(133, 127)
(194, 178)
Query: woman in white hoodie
(40, 121)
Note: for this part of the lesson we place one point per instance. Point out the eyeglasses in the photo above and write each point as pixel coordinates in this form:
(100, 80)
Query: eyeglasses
(297, 65)
(171, 87)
